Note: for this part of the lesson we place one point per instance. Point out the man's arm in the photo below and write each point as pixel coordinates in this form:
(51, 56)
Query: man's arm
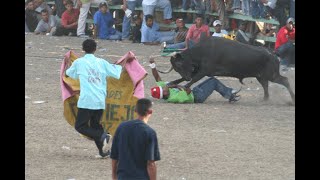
(124, 6)
(152, 170)
(114, 169)
(154, 70)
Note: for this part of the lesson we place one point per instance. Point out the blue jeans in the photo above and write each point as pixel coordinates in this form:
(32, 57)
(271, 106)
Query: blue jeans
(199, 6)
(292, 8)
(185, 4)
(246, 7)
(116, 36)
(181, 45)
(163, 4)
(166, 36)
(286, 53)
(127, 21)
(236, 4)
(258, 9)
(206, 88)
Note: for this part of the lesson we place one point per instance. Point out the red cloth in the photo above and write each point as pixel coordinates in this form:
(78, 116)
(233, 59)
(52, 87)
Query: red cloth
(67, 18)
(284, 35)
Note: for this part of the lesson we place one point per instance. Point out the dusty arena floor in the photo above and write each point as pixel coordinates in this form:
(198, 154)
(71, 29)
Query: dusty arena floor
(250, 139)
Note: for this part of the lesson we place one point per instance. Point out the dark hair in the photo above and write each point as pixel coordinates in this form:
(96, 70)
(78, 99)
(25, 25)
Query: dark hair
(199, 16)
(148, 16)
(44, 11)
(89, 46)
(28, 1)
(69, 2)
(143, 106)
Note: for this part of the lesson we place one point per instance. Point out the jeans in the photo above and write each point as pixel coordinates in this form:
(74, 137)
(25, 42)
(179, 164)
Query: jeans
(185, 4)
(167, 37)
(258, 9)
(199, 6)
(163, 4)
(127, 21)
(246, 7)
(116, 36)
(86, 116)
(236, 4)
(286, 53)
(205, 89)
(181, 45)
(292, 8)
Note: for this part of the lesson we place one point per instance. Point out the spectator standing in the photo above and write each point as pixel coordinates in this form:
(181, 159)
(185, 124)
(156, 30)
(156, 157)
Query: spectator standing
(47, 24)
(135, 148)
(84, 9)
(103, 22)
(126, 24)
(148, 7)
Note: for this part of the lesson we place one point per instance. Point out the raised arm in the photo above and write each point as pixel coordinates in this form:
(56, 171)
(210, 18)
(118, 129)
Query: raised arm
(154, 70)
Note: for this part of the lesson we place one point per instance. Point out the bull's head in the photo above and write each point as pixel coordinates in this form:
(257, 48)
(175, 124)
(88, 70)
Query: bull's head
(182, 65)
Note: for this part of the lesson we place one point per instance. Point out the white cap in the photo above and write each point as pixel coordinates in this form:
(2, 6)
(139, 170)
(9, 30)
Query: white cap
(290, 20)
(216, 22)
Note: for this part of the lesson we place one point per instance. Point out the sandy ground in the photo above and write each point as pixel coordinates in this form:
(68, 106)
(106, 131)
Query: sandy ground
(250, 139)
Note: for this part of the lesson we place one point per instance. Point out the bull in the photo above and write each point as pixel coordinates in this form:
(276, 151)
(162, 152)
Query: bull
(215, 56)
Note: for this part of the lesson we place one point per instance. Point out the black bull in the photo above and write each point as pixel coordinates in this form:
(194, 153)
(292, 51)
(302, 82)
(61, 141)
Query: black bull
(216, 56)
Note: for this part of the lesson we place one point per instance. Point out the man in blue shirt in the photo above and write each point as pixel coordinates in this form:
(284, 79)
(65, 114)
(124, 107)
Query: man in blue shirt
(92, 73)
(135, 147)
(103, 22)
(150, 34)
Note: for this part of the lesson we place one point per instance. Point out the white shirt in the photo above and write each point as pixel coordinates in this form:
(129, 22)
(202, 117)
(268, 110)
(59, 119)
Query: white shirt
(223, 32)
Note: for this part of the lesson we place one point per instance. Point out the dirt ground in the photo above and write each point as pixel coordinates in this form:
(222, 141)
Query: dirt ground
(250, 139)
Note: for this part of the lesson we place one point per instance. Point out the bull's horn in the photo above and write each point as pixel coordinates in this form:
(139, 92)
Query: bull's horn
(167, 71)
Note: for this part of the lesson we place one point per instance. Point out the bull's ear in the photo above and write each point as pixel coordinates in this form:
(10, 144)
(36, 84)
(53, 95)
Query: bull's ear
(177, 55)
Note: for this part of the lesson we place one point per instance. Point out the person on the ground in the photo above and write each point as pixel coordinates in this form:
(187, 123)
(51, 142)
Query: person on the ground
(92, 73)
(173, 93)
(285, 43)
(47, 25)
(69, 21)
(103, 22)
(150, 34)
(193, 35)
(135, 148)
(31, 19)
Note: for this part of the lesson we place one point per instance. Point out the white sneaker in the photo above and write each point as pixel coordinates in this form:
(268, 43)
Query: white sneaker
(106, 144)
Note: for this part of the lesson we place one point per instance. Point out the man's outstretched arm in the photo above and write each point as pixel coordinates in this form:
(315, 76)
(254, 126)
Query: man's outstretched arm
(154, 70)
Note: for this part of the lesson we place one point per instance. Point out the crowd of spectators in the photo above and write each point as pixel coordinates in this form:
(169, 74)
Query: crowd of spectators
(68, 18)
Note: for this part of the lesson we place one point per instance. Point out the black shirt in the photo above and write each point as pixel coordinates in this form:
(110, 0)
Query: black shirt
(31, 19)
(134, 143)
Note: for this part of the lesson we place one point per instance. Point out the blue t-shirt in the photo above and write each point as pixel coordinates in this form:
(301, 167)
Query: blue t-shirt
(92, 72)
(149, 34)
(104, 22)
(134, 143)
